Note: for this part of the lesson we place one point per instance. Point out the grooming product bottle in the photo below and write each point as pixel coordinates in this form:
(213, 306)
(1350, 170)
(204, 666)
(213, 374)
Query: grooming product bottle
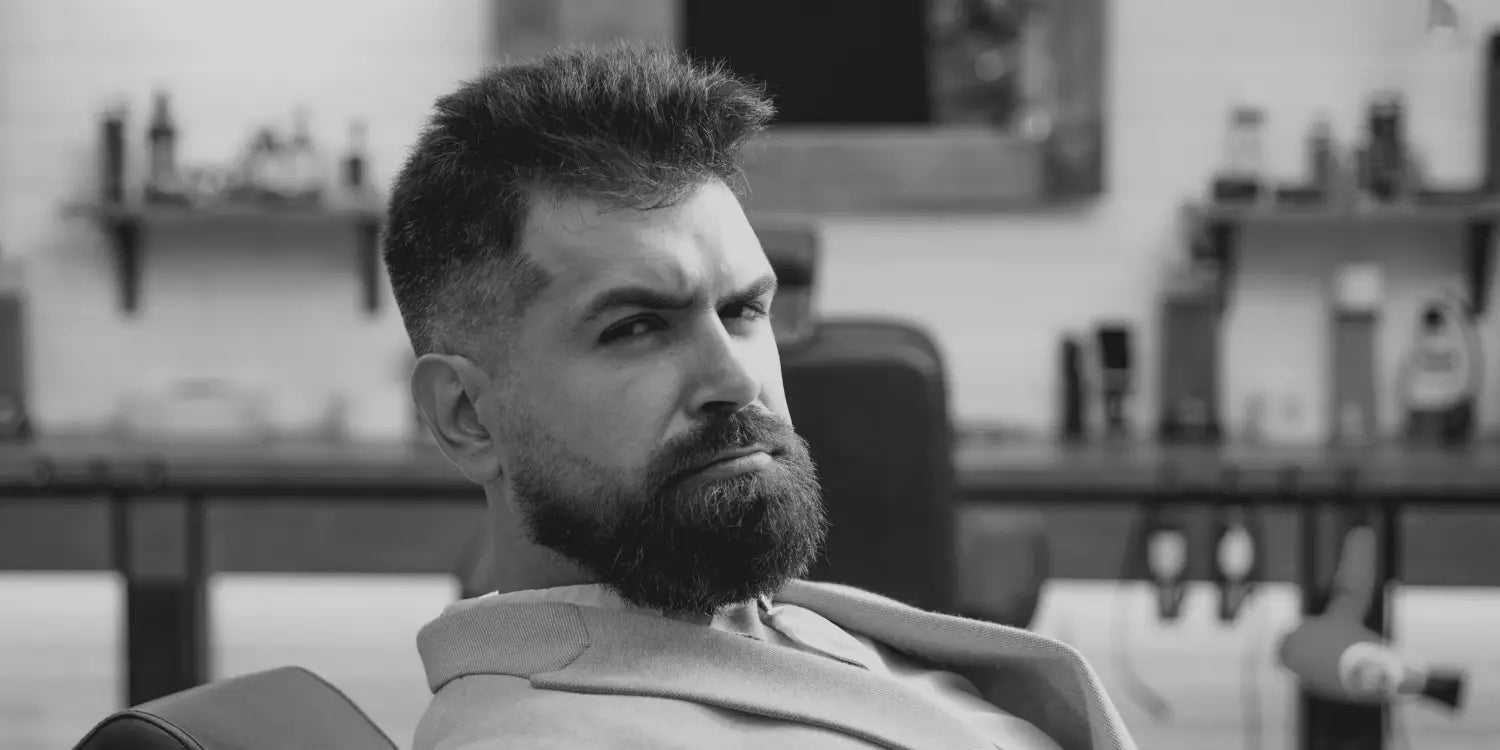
(1386, 150)
(1116, 372)
(1241, 174)
(1490, 75)
(1189, 356)
(1322, 158)
(161, 141)
(1358, 290)
(1073, 420)
(112, 147)
(356, 160)
(1441, 374)
(304, 162)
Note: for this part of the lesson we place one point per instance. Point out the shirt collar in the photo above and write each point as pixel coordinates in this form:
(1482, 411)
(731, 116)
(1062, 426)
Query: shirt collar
(588, 595)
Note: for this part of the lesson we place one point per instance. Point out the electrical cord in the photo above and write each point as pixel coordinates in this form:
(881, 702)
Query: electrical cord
(1400, 734)
(1148, 699)
(1237, 557)
(1250, 671)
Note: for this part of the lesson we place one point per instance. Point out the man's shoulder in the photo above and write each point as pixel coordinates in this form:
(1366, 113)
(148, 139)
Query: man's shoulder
(501, 712)
(496, 712)
(489, 712)
(508, 700)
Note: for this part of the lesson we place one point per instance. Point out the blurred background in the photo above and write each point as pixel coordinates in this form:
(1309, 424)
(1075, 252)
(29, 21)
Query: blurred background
(1158, 299)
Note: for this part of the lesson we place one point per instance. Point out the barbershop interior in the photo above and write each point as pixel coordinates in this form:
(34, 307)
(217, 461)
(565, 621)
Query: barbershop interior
(1161, 329)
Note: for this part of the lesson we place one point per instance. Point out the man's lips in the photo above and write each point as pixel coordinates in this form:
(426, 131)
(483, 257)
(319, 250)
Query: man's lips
(732, 457)
(732, 454)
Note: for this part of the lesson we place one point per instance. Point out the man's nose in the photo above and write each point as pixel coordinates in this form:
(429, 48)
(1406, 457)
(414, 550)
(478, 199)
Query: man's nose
(727, 382)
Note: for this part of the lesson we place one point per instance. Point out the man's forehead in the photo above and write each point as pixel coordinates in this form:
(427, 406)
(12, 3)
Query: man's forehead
(603, 249)
(582, 246)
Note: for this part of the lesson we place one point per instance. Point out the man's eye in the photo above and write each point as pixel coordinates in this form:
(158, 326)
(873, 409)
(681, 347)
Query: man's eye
(630, 329)
(751, 311)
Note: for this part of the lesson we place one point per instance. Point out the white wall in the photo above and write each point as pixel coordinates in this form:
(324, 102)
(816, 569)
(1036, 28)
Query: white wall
(997, 291)
(1000, 290)
(280, 306)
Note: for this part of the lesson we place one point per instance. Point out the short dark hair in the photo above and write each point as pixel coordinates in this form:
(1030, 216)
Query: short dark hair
(631, 125)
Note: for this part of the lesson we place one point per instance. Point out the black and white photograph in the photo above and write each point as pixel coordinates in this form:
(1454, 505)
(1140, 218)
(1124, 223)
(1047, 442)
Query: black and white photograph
(806, 374)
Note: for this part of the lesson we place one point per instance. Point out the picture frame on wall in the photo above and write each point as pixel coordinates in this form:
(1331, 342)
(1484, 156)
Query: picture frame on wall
(902, 106)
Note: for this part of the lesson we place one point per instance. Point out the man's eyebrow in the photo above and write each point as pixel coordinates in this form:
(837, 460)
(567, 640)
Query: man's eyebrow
(652, 299)
(761, 287)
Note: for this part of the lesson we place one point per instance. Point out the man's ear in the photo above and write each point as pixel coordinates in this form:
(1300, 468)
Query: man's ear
(449, 391)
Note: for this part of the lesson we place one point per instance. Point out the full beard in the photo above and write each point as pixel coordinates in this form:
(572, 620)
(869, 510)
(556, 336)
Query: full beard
(681, 544)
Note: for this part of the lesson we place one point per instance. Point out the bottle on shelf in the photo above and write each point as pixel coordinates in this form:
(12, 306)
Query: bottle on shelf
(259, 173)
(1353, 419)
(1253, 429)
(305, 179)
(1073, 416)
(161, 140)
(112, 132)
(1322, 158)
(15, 391)
(1190, 323)
(1116, 376)
(1441, 373)
(355, 177)
(1241, 176)
(1386, 146)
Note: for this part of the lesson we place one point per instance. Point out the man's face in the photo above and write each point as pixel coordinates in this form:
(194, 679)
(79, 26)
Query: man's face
(646, 362)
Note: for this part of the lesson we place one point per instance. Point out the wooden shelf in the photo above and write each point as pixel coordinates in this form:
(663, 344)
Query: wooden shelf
(987, 470)
(1382, 215)
(1222, 222)
(168, 214)
(125, 224)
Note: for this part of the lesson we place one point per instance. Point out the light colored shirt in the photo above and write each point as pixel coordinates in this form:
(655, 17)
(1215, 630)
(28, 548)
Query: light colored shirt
(800, 628)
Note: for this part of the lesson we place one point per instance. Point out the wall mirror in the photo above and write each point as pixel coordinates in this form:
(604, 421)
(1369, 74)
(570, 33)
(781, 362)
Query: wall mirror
(897, 106)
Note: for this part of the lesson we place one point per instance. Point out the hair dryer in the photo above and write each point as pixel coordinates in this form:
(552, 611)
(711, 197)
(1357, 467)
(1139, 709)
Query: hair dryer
(1335, 657)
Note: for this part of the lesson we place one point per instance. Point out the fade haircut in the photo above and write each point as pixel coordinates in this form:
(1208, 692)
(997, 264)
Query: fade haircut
(632, 126)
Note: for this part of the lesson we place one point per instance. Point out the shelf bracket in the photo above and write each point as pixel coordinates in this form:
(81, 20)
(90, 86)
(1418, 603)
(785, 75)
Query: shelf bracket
(125, 236)
(1480, 264)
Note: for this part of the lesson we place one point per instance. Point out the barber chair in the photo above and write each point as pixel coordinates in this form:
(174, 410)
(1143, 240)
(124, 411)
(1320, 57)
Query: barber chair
(870, 398)
(288, 708)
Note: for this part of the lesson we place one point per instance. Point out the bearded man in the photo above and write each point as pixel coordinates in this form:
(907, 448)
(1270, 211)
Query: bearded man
(589, 307)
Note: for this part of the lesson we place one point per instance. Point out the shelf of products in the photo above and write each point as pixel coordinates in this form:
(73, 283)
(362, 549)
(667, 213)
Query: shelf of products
(1221, 224)
(280, 178)
(126, 225)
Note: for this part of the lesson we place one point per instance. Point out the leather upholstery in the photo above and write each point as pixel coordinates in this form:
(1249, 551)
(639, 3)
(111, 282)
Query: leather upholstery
(870, 396)
(288, 708)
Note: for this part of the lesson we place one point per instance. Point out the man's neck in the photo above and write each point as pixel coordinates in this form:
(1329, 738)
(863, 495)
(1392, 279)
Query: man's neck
(745, 619)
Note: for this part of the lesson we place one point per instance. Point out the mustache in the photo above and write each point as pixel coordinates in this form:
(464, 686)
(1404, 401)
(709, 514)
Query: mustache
(723, 433)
